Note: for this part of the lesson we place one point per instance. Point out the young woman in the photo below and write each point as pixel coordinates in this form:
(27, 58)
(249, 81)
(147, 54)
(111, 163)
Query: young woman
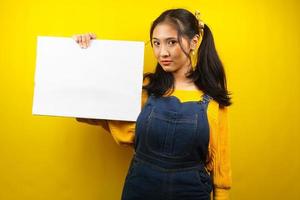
(180, 138)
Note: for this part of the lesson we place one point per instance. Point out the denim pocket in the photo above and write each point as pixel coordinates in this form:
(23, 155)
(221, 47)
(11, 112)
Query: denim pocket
(205, 179)
(170, 136)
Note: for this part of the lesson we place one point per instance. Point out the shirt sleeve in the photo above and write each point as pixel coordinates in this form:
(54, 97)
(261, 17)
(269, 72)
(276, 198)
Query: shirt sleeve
(222, 168)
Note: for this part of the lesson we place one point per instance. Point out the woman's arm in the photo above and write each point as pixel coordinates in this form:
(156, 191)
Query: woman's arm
(222, 168)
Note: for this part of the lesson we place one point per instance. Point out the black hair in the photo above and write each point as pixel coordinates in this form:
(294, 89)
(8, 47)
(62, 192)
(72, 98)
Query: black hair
(209, 75)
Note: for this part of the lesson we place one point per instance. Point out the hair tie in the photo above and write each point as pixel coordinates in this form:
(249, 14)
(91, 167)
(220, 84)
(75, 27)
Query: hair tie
(200, 22)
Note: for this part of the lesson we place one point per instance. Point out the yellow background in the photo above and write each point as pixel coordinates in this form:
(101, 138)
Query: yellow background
(58, 158)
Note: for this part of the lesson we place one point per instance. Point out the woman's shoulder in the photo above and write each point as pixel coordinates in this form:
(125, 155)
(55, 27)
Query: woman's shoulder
(216, 112)
(213, 109)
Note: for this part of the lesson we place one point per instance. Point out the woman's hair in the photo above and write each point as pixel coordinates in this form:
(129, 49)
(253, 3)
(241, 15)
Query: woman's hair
(209, 75)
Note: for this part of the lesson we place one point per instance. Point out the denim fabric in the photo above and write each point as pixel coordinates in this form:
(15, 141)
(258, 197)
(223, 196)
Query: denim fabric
(171, 143)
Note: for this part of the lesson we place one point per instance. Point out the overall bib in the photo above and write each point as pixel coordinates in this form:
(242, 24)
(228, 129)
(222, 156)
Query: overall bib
(171, 143)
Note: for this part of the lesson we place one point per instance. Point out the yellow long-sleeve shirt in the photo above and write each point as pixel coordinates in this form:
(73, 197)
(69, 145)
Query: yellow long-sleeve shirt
(218, 149)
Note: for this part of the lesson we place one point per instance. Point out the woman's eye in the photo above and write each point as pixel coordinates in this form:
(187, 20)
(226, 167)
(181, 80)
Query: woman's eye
(156, 43)
(172, 42)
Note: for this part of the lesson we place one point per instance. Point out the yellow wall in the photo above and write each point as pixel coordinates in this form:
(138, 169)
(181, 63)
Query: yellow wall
(58, 158)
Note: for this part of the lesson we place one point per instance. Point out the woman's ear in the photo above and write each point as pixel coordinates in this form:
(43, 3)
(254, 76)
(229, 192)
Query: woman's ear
(194, 42)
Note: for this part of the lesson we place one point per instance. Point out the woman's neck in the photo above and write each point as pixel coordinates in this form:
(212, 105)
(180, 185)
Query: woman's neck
(181, 82)
(185, 86)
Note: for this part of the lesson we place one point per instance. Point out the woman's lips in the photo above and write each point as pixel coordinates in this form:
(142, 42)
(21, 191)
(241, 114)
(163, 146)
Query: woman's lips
(166, 62)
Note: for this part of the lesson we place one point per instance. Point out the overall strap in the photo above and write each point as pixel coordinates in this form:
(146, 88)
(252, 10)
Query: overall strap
(205, 100)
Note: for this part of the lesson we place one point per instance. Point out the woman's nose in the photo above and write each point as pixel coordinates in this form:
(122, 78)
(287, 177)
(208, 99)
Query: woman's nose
(164, 52)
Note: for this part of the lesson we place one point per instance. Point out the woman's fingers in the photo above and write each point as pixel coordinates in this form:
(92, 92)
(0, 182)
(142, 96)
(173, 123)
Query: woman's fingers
(84, 39)
(92, 35)
(79, 119)
(89, 121)
(94, 121)
(78, 39)
(88, 38)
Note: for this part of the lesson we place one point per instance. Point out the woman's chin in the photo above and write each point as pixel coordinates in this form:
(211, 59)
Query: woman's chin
(168, 68)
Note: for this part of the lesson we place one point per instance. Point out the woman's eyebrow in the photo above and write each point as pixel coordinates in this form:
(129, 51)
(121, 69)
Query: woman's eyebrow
(169, 38)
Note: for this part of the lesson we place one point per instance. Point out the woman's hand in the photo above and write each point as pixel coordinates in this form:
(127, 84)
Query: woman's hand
(84, 39)
(89, 121)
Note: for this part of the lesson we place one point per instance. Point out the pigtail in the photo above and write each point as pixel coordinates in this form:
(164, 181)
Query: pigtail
(209, 73)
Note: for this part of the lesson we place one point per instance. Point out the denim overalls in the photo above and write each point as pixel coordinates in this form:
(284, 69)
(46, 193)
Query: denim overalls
(171, 143)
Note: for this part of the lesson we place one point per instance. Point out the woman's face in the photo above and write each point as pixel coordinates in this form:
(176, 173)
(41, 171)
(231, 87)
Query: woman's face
(167, 49)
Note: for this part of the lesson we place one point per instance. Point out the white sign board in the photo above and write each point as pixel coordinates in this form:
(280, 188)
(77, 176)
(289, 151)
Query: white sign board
(103, 81)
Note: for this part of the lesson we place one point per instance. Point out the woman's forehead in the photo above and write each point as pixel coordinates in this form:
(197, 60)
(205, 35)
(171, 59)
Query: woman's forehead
(164, 31)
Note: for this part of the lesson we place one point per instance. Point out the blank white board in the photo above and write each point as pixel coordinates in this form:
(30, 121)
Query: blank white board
(103, 81)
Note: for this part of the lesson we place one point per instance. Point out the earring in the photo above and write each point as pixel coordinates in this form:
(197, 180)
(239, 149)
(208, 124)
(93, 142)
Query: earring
(193, 59)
